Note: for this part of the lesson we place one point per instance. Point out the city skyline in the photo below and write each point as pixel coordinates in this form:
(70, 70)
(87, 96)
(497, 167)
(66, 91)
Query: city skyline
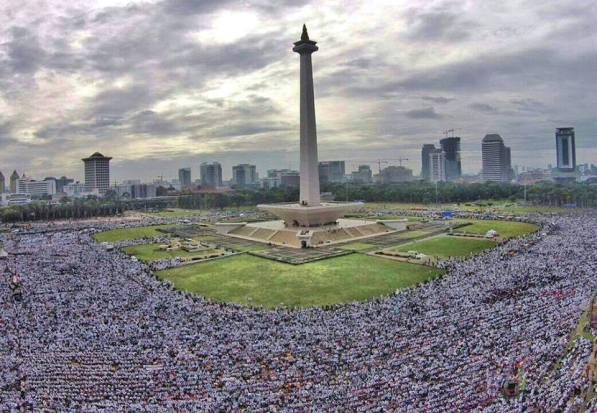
(211, 84)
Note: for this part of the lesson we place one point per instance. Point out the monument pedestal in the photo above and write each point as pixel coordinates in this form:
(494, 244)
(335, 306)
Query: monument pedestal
(296, 215)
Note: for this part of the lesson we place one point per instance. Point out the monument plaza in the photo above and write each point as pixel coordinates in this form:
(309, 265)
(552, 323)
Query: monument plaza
(310, 222)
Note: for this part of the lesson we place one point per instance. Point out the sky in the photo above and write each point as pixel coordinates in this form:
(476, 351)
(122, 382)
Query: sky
(160, 85)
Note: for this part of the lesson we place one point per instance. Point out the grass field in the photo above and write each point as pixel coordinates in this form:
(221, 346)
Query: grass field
(356, 246)
(178, 213)
(152, 252)
(505, 229)
(122, 234)
(446, 246)
(258, 281)
(503, 207)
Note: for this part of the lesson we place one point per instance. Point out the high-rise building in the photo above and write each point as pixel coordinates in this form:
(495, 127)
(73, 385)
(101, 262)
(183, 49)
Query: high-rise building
(363, 175)
(451, 148)
(244, 174)
(60, 182)
(281, 177)
(331, 171)
(437, 165)
(2, 183)
(393, 174)
(97, 173)
(13, 182)
(184, 178)
(425, 168)
(565, 149)
(496, 159)
(211, 174)
(36, 188)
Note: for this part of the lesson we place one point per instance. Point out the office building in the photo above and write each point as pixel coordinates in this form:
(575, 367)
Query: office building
(60, 182)
(363, 175)
(394, 174)
(211, 174)
(437, 166)
(8, 199)
(565, 171)
(2, 183)
(13, 182)
(184, 178)
(565, 150)
(288, 178)
(36, 188)
(425, 168)
(97, 173)
(331, 171)
(496, 159)
(244, 174)
(451, 148)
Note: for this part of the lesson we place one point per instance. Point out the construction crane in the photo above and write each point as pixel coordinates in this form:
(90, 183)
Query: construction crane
(449, 133)
(381, 162)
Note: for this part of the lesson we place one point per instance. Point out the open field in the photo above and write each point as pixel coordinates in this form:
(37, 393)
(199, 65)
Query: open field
(122, 234)
(500, 207)
(356, 246)
(152, 252)
(505, 229)
(446, 246)
(178, 213)
(261, 282)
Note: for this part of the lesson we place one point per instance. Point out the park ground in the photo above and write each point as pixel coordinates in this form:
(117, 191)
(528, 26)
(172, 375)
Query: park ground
(251, 280)
(260, 282)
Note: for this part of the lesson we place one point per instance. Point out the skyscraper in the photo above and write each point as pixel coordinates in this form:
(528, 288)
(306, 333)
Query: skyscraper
(184, 177)
(437, 165)
(244, 174)
(331, 171)
(2, 183)
(364, 175)
(13, 181)
(565, 149)
(496, 159)
(97, 173)
(451, 148)
(211, 174)
(425, 167)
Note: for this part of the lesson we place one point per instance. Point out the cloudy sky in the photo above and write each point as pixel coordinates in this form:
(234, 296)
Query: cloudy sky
(160, 85)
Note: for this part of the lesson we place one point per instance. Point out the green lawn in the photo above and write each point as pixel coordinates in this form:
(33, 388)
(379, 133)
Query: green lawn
(178, 213)
(251, 280)
(123, 234)
(446, 246)
(152, 252)
(356, 246)
(505, 229)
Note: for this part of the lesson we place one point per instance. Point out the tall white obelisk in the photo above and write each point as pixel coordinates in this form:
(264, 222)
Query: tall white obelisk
(309, 169)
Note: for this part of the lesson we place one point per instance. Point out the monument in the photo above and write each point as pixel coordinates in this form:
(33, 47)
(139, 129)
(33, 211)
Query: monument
(310, 222)
(310, 211)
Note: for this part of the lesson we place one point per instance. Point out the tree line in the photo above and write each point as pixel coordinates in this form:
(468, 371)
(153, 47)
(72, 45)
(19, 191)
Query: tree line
(543, 194)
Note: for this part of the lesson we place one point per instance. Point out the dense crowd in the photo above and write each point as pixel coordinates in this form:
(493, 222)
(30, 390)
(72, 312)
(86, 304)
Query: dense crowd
(93, 330)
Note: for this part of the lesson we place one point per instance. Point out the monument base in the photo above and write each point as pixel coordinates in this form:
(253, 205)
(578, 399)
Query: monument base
(280, 234)
(296, 215)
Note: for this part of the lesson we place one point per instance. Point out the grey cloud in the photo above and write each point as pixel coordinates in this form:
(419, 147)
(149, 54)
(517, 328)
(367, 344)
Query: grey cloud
(513, 70)
(437, 99)
(424, 113)
(483, 107)
(440, 24)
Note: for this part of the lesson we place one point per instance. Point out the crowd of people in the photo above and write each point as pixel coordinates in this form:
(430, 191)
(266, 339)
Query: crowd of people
(95, 331)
